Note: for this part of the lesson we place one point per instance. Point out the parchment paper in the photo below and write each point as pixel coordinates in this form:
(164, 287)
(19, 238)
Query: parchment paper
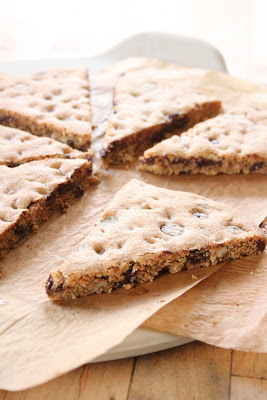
(228, 310)
(40, 340)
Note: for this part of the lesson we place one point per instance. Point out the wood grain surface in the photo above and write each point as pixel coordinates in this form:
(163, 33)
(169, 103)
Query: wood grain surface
(193, 371)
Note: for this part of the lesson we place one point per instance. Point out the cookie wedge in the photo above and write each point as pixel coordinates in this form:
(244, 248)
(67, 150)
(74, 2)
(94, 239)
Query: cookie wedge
(149, 106)
(31, 191)
(230, 143)
(19, 147)
(55, 103)
(146, 230)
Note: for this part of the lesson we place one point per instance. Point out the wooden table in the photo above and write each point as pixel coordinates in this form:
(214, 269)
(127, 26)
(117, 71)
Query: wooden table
(193, 371)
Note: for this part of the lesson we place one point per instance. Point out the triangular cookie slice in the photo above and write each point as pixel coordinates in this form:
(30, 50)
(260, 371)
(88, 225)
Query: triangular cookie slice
(29, 192)
(150, 105)
(55, 103)
(230, 143)
(18, 147)
(146, 229)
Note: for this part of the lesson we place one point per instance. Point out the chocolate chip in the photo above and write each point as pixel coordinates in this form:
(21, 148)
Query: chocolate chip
(234, 229)
(214, 141)
(70, 142)
(167, 252)
(261, 245)
(172, 229)
(256, 166)
(64, 187)
(263, 225)
(49, 286)
(84, 147)
(130, 276)
(78, 191)
(117, 285)
(149, 160)
(201, 215)
(19, 230)
(109, 220)
(51, 199)
(200, 162)
(181, 161)
(205, 162)
(103, 153)
(5, 120)
(197, 256)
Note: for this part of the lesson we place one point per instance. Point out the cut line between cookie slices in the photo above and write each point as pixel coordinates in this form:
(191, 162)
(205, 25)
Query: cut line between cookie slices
(151, 105)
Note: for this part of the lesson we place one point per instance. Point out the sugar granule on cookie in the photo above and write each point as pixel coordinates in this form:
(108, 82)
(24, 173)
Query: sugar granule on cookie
(230, 143)
(55, 103)
(31, 191)
(149, 106)
(146, 230)
(19, 147)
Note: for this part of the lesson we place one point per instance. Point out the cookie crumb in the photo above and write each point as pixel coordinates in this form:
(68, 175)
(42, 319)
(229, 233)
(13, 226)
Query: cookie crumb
(214, 322)
(194, 277)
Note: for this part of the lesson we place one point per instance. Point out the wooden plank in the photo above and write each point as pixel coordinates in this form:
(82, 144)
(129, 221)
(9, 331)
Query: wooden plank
(101, 381)
(65, 387)
(252, 365)
(193, 371)
(243, 388)
(107, 381)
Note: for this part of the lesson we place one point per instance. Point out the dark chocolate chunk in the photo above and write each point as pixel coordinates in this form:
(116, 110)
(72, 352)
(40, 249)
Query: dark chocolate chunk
(256, 166)
(261, 245)
(205, 162)
(117, 285)
(103, 153)
(167, 252)
(200, 162)
(130, 276)
(70, 142)
(214, 141)
(197, 256)
(5, 119)
(84, 147)
(20, 230)
(49, 286)
(149, 160)
(181, 161)
(78, 191)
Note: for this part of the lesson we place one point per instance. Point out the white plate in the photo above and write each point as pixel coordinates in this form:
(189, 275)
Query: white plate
(177, 49)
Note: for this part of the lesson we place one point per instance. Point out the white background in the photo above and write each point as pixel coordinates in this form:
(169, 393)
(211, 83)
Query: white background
(78, 28)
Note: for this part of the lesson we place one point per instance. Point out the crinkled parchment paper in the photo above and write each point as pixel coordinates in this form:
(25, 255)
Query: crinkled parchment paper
(228, 310)
(40, 340)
